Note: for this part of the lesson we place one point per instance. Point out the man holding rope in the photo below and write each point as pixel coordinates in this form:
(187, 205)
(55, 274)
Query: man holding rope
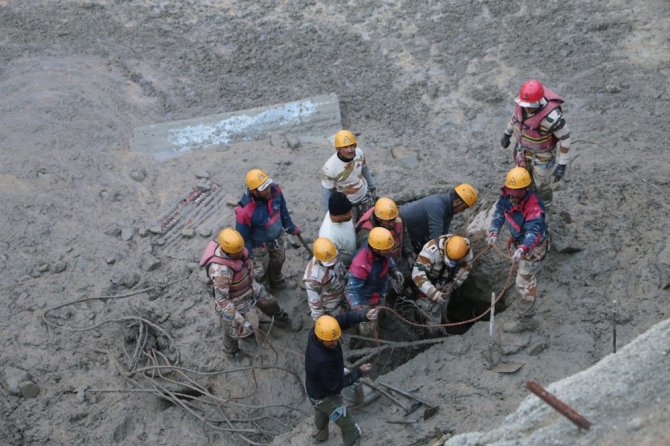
(441, 267)
(523, 211)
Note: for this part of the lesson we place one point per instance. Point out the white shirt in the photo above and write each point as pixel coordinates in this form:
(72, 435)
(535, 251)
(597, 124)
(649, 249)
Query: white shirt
(346, 177)
(343, 235)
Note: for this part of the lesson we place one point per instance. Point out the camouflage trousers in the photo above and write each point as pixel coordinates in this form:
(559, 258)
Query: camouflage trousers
(529, 266)
(541, 168)
(360, 208)
(236, 338)
(268, 263)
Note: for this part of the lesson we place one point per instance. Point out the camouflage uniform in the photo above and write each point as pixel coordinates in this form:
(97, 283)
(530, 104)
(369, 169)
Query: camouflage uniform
(325, 287)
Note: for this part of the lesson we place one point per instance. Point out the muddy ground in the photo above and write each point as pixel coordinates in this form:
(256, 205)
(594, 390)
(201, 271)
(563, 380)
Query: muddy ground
(437, 78)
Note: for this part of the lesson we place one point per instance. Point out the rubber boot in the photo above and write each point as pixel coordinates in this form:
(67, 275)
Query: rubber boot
(320, 436)
(525, 318)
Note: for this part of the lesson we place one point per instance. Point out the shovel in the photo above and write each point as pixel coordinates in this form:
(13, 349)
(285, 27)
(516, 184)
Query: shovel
(431, 409)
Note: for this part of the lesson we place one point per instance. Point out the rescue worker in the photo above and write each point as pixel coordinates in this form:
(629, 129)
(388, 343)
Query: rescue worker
(260, 217)
(236, 293)
(369, 275)
(441, 267)
(430, 216)
(347, 171)
(325, 375)
(523, 211)
(325, 279)
(338, 227)
(542, 136)
(385, 214)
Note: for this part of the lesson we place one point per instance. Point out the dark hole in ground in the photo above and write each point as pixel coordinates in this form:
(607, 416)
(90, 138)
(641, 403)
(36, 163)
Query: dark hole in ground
(472, 299)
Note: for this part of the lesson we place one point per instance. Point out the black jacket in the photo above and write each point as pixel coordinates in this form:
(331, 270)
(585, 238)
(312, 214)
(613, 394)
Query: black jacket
(324, 367)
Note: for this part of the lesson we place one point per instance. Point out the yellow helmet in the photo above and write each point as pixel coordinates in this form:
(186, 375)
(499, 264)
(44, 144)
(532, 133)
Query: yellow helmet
(517, 178)
(467, 193)
(456, 247)
(327, 328)
(324, 250)
(257, 179)
(386, 209)
(231, 241)
(380, 239)
(344, 138)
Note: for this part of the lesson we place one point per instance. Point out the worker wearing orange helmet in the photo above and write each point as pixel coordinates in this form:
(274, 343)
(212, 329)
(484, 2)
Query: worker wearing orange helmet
(542, 136)
(522, 212)
(325, 375)
(347, 171)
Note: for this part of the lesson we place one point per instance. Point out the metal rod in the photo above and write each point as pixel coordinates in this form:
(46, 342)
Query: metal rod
(559, 405)
(492, 321)
(304, 244)
(614, 326)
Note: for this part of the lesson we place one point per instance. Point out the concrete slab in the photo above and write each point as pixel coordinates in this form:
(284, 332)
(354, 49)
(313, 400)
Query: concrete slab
(317, 117)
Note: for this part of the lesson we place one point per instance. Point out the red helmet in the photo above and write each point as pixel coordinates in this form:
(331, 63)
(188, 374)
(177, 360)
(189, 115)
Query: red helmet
(530, 94)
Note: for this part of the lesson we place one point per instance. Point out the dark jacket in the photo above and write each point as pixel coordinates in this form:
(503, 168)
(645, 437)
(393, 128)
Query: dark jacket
(324, 367)
(428, 218)
(260, 221)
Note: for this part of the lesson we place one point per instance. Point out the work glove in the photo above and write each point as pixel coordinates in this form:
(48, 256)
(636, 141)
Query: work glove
(373, 193)
(372, 314)
(439, 298)
(504, 141)
(518, 254)
(295, 230)
(246, 329)
(559, 171)
(491, 238)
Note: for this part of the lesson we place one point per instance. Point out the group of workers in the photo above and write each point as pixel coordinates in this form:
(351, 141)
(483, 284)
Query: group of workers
(369, 247)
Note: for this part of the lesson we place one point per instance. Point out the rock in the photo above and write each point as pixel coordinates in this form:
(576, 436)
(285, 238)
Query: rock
(143, 232)
(193, 266)
(35, 273)
(112, 230)
(156, 230)
(149, 263)
(277, 140)
(201, 174)
(110, 260)
(293, 141)
(81, 396)
(231, 201)
(204, 231)
(611, 88)
(29, 389)
(13, 377)
(59, 267)
(537, 348)
(131, 279)
(127, 233)
(188, 233)
(204, 186)
(137, 175)
(44, 267)
(405, 157)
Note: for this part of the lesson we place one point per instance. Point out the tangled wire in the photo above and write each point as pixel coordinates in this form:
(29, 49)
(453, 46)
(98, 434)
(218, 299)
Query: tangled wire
(152, 366)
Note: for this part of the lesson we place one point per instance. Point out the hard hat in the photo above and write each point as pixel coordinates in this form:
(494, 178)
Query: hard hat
(231, 241)
(386, 209)
(530, 94)
(327, 328)
(456, 247)
(380, 239)
(517, 178)
(467, 193)
(344, 138)
(258, 179)
(325, 251)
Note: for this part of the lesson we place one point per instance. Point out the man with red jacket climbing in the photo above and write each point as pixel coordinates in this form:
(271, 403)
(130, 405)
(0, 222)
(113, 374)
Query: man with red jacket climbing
(236, 293)
(523, 212)
(542, 136)
(261, 216)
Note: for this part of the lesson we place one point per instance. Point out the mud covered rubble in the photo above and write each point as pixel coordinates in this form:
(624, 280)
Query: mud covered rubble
(437, 79)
